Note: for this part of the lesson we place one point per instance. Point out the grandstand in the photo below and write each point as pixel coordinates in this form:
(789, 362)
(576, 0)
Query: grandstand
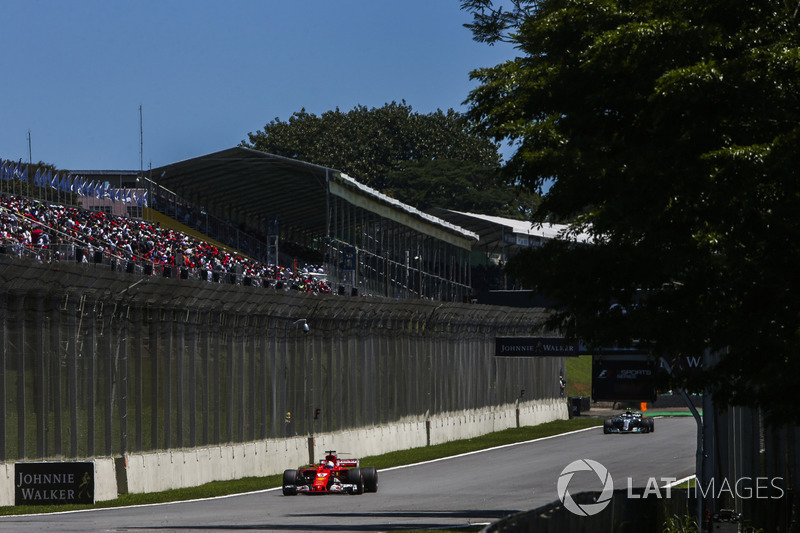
(261, 214)
(276, 213)
(500, 239)
(370, 244)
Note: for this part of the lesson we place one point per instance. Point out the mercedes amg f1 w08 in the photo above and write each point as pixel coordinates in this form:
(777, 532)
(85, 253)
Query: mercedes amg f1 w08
(628, 422)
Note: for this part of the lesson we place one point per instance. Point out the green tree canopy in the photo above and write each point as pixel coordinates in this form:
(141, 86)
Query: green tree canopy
(669, 130)
(458, 185)
(409, 156)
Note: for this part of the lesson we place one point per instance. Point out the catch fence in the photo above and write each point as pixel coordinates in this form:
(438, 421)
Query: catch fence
(97, 362)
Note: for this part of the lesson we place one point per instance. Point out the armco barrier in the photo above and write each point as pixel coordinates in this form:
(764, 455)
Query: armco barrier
(622, 515)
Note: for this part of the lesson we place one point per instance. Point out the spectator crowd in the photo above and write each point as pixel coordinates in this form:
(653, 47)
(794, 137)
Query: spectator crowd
(57, 231)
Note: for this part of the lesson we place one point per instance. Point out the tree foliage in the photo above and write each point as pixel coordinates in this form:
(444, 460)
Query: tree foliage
(410, 156)
(670, 132)
(458, 185)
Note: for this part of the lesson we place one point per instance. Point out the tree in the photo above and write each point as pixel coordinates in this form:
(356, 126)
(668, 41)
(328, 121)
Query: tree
(459, 185)
(669, 130)
(388, 148)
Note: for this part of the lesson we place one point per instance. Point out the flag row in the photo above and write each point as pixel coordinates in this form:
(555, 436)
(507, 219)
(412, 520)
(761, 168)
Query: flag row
(67, 183)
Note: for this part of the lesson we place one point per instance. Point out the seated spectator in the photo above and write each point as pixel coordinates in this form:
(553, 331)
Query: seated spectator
(26, 223)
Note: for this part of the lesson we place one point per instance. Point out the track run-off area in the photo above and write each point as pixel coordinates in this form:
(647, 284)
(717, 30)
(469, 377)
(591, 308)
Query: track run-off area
(474, 488)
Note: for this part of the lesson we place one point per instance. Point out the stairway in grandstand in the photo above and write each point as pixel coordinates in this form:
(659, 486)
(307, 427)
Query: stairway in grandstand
(165, 221)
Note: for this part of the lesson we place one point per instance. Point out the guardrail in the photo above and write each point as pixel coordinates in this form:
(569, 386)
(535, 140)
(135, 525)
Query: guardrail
(635, 515)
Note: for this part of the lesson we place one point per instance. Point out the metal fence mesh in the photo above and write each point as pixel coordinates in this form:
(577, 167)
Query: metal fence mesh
(95, 362)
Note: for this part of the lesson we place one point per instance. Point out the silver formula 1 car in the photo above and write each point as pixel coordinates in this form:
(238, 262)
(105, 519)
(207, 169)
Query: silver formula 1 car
(628, 422)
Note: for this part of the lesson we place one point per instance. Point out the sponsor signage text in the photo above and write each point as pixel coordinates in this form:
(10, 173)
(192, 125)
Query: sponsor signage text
(53, 483)
(535, 347)
(621, 378)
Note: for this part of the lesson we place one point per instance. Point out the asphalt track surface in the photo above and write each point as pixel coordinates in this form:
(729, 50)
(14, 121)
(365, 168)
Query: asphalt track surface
(476, 488)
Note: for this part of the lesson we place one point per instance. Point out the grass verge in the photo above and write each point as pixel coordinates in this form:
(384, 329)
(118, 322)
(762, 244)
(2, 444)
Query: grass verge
(404, 457)
(579, 375)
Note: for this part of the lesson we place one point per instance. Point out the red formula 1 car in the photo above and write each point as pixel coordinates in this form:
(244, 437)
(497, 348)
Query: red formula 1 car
(332, 475)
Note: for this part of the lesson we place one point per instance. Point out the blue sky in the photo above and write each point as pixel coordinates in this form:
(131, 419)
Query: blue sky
(208, 72)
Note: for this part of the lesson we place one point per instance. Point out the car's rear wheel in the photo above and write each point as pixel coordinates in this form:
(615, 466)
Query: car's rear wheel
(289, 482)
(370, 476)
(354, 477)
(651, 424)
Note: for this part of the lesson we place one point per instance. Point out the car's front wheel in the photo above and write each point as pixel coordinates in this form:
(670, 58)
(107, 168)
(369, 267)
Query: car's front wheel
(289, 482)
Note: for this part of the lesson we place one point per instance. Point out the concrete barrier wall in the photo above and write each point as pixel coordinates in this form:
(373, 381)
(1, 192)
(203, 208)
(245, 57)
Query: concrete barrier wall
(173, 469)
(7, 484)
(105, 481)
(153, 472)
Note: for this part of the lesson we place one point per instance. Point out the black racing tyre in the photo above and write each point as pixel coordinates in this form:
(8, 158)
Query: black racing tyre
(289, 482)
(354, 477)
(652, 425)
(607, 426)
(370, 476)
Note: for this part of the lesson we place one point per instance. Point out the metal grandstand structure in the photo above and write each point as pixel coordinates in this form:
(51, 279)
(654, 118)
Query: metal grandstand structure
(369, 243)
(260, 204)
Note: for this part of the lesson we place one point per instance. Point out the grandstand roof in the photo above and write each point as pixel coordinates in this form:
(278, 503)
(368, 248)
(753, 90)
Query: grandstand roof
(248, 183)
(495, 232)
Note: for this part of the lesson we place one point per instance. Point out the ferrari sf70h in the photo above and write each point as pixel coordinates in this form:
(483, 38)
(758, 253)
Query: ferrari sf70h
(331, 476)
